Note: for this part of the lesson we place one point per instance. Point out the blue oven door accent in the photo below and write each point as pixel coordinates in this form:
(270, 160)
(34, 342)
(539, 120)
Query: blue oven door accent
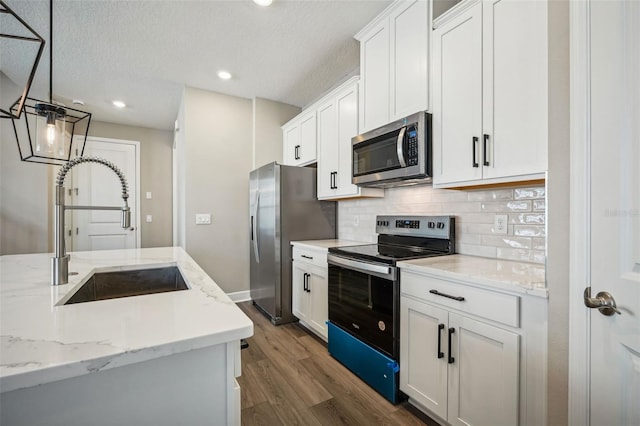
(376, 369)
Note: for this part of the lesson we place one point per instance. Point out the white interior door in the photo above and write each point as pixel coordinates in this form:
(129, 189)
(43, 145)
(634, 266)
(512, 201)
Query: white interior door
(606, 211)
(97, 185)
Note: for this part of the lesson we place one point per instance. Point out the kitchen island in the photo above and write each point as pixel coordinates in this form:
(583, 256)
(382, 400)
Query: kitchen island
(162, 359)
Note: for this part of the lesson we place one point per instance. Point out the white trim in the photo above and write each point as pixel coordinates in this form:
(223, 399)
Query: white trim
(240, 296)
(580, 186)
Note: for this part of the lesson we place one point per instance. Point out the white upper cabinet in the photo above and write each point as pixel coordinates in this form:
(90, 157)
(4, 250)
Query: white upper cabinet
(394, 64)
(299, 140)
(490, 93)
(337, 124)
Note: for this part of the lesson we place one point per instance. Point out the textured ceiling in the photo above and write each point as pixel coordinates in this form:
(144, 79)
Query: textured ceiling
(144, 52)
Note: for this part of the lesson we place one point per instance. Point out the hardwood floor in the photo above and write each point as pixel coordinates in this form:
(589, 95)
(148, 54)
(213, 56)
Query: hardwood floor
(289, 378)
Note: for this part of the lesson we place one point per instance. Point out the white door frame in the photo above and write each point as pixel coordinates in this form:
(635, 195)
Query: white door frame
(580, 189)
(136, 201)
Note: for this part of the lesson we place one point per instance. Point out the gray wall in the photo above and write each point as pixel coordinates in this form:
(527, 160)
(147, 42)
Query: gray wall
(268, 117)
(156, 148)
(217, 142)
(27, 188)
(24, 190)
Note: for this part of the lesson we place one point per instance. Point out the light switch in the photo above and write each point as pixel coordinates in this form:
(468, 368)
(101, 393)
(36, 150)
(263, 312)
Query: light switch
(203, 218)
(148, 195)
(149, 218)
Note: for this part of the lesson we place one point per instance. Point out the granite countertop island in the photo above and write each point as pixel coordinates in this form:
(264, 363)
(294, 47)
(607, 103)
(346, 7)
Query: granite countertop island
(44, 341)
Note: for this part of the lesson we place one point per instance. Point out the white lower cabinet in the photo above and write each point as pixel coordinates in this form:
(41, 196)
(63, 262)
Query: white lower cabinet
(309, 290)
(465, 368)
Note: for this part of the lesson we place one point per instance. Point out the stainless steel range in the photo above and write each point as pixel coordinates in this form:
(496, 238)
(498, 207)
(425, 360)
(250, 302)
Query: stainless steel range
(364, 294)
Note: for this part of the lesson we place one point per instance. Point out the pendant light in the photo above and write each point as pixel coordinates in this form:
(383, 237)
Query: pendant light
(50, 133)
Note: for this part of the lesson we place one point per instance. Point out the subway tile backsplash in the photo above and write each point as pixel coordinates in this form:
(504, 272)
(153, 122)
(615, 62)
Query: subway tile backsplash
(475, 211)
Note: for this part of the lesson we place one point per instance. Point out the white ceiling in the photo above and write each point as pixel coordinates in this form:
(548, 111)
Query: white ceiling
(144, 52)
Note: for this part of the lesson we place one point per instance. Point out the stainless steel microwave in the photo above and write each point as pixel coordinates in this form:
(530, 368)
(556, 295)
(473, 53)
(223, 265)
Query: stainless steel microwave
(396, 154)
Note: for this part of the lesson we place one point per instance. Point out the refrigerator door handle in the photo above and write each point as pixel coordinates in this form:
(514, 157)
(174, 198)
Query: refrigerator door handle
(254, 225)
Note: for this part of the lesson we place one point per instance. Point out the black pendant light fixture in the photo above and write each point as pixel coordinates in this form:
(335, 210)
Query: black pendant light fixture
(45, 131)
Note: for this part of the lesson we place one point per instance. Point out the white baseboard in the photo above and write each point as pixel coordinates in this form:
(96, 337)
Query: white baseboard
(240, 296)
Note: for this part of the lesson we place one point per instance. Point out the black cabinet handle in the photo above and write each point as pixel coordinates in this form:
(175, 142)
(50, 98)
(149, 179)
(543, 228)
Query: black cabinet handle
(333, 180)
(451, 358)
(304, 281)
(306, 257)
(473, 149)
(437, 293)
(297, 152)
(484, 150)
(308, 285)
(440, 353)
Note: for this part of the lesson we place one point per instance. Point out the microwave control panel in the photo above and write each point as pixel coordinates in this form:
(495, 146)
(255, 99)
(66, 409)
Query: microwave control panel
(412, 145)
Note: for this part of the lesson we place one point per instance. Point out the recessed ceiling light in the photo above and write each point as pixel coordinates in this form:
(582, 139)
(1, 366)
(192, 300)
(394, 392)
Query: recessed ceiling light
(119, 104)
(225, 75)
(263, 2)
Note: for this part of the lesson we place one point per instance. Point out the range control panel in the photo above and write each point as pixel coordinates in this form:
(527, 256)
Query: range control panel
(419, 226)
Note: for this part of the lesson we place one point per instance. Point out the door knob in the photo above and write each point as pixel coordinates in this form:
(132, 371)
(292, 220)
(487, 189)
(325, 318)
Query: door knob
(603, 301)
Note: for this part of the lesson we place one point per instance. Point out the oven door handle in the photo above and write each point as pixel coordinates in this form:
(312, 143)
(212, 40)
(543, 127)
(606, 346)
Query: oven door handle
(367, 268)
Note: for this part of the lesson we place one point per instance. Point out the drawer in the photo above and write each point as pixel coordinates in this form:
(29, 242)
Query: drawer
(314, 257)
(499, 307)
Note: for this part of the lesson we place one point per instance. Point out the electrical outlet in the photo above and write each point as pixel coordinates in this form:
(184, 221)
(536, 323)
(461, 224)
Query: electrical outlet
(203, 218)
(149, 218)
(500, 224)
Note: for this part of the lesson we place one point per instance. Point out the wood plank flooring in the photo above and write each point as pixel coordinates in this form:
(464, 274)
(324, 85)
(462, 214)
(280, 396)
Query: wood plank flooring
(289, 378)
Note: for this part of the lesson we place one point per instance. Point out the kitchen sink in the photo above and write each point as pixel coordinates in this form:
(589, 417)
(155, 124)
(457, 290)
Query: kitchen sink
(113, 285)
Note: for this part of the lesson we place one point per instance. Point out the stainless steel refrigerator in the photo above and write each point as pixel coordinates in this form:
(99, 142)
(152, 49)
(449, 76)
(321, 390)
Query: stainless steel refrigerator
(283, 208)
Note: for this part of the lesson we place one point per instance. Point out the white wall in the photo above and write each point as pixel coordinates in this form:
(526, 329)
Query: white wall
(474, 211)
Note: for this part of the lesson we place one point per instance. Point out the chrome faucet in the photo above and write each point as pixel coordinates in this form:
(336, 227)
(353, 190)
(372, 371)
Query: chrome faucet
(60, 261)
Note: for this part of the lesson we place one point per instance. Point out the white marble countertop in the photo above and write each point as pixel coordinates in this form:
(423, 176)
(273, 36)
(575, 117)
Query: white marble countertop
(520, 277)
(327, 244)
(43, 341)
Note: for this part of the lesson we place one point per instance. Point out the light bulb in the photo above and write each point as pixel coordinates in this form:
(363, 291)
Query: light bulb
(51, 134)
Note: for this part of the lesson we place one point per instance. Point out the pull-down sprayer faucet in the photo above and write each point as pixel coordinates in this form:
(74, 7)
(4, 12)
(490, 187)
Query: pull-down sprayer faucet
(60, 261)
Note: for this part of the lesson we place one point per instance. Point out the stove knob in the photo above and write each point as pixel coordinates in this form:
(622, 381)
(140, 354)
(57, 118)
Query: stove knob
(386, 223)
(432, 225)
(440, 225)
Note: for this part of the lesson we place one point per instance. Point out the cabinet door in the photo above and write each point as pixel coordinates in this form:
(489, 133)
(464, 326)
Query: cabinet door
(308, 141)
(328, 156)
(457, 103)
(515, 99)
(299, 297)
(423, 367)
(409, 53)
(347, 106)
(291, 140)
(483, 378)
(318, 301)
(374, 68)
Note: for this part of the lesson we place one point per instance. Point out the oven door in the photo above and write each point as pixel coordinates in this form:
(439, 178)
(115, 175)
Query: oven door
(364, 301)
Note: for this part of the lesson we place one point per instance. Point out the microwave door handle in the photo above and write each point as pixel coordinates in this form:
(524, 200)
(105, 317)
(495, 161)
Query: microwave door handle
(399, 147)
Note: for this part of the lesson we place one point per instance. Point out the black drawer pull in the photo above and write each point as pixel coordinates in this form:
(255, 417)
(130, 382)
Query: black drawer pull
(440, 353)
(306, 257)
(474, 141)
(484, 150)
(451, 358)
(437, 293)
